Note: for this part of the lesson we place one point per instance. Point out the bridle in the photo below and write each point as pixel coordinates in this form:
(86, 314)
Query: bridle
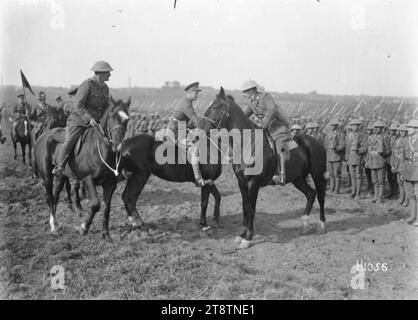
(108, 138)
(222, 116)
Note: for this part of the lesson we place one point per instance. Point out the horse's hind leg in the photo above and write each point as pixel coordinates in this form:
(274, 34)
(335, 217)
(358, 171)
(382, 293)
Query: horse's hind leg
(320, 185)
(56, 197)
(49, 187)
(30, 154)
(310, 195)
(217, 195)
(204, 200)
(108, 191)
(133, 189)
(69, 198)
(94, 203)
(15, 147)
(77, 196)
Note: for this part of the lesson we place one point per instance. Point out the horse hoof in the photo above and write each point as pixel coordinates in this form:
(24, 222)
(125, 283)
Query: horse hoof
(81, 229)
(107, 238)
(238, 239)
(245, 244)
(132, 222)
(206, 228)
(321, 228)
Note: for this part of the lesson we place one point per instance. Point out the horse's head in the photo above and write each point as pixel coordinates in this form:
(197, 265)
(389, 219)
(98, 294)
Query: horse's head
(117, 121)
(217, 114)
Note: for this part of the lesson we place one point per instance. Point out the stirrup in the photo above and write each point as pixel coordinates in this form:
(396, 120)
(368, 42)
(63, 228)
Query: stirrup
(278, 179)
(57, 171)
(126, 174)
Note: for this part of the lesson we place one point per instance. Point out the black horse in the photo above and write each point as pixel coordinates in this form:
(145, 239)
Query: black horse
(140, 154)
(22, 135)
(309, 157)
(56, 118)
(95, 161)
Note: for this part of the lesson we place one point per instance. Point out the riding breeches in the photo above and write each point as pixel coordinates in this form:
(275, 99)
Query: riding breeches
(282, 147)
(72, 133)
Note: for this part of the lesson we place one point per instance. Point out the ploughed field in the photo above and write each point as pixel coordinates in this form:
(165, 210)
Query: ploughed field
(180, 261)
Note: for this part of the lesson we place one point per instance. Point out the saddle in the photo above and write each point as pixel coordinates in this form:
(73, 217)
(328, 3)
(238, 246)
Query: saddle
(60, 137)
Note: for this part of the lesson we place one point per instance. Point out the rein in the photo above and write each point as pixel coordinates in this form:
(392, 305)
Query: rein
(108, 139)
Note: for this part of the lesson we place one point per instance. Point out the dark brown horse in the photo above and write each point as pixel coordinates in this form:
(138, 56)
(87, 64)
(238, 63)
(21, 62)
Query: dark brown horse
(95, 161)
(309, 157)
(56, 118)
(140, 154)
(22, 135)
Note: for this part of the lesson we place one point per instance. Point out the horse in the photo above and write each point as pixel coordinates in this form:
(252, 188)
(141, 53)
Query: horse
(95, 160)
(22, 135)
(56, 118)
(309, 157)
(139, 155)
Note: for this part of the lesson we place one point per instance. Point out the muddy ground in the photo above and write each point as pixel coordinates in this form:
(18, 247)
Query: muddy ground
(179, 261)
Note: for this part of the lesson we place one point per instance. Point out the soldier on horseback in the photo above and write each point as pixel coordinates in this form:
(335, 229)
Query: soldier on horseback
(22, 111)
(40, 114)
(273, 119)
(183, 111)
(90, 104)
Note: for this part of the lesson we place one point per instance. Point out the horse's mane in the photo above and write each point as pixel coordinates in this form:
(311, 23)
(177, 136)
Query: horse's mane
(238, 110)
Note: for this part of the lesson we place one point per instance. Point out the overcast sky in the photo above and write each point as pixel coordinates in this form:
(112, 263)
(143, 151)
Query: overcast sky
(335, 47)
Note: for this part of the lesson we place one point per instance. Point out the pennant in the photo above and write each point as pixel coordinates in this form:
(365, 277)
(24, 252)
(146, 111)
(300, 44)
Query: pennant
(25, 82)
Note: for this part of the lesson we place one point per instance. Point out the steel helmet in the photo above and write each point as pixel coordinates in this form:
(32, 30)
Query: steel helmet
(355, 122)
(101, 66)
(413, 123)
(249, 85)
(370, 126)
(334, 122)
(310, 125)
(403, 127)
(379, 124)
(296, 127)
(393, 126)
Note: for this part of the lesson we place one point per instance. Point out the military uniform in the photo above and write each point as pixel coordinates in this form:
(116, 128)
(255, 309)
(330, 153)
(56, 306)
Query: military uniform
(397, 162)
(22, 111)
(183, 111)
(275, 121)
(91, 102)
(335, 146)
(410, 171)
(353, 157)
(376, 149)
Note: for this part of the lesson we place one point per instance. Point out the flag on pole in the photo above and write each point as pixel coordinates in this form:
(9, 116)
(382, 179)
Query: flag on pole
(25, 82)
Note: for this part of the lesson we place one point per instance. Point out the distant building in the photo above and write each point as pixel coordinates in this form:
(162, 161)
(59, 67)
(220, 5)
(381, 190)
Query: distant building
(172, 85)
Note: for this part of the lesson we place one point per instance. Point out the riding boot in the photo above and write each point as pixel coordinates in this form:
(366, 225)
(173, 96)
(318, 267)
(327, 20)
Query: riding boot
(337, 185)
(199, 181)
(353, 187)
(358, 188)
(413, 211)
(376, 192)
(280, 175)
(332, 184)
(380, 194)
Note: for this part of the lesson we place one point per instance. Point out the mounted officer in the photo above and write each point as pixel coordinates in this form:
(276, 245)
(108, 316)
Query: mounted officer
(410, 170)
(184, 111)
(90, 104)
(68, 106)
(22, 111)
(274, 120)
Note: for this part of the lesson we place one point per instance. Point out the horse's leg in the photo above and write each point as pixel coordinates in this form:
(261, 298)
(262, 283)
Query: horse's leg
(133, 189)
(77, 196)
(108, 191)
(57, 192)
(22, 146)
(204, 200)
(69, 198)
(15, 147)
(321, 186)
(49, 187)
(310, 195)
(253, 189)
(243, 187)
(30, 154)
(94, 205)
(217, 195)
